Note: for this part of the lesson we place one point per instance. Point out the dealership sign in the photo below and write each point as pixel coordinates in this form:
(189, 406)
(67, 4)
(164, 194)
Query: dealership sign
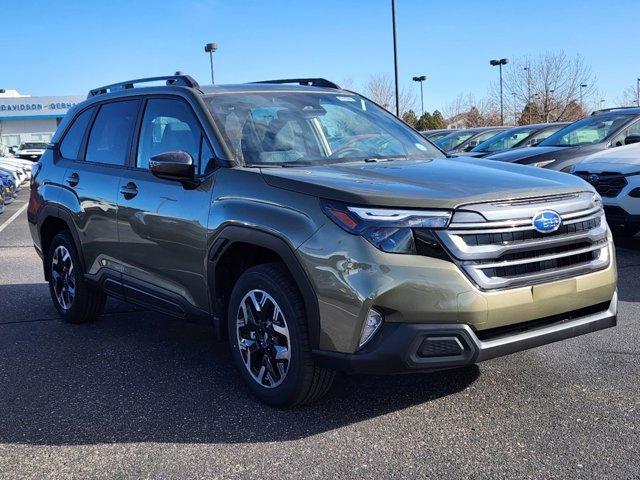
(37, 106)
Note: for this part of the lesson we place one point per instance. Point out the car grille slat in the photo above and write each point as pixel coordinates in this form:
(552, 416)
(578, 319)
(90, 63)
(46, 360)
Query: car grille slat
(495, 255)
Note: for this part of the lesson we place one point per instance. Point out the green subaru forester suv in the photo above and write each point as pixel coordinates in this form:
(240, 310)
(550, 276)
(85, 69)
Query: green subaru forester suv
(314, 231)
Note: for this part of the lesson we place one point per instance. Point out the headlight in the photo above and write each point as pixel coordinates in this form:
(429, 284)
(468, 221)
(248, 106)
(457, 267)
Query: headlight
(542, 164)
(388, 229)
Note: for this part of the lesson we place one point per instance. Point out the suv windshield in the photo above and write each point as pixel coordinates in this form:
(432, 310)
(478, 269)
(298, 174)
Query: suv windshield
(593, 129)
(33, 145)
(453, 140)
(504, 140)
(306, 128)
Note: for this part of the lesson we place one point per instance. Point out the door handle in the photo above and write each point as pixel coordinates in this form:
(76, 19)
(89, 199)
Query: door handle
(129, 191)
(73, 179)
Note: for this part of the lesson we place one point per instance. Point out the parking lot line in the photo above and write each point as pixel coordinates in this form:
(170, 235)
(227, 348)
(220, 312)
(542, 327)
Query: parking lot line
(13, 217)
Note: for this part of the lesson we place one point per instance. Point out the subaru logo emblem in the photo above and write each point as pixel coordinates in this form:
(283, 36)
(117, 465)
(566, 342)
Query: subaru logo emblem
(546, 221)
(593, 178)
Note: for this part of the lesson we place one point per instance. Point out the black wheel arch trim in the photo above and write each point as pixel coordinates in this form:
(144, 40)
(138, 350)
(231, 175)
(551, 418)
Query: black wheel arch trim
(232, 234)
(56, 211)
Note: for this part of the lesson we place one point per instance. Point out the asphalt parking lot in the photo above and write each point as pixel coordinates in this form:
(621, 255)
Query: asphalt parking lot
(140, 395)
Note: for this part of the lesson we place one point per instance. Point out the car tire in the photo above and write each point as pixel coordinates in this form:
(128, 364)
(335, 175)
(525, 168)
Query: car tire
(626, 231)
(75, 300)
(266, 325)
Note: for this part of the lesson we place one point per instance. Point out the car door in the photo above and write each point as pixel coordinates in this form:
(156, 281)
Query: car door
(162, 223)
(95, 162)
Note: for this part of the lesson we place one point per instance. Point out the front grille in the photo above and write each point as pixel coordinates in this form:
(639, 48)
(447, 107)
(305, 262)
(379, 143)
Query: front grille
(505, 252)
(607, 184)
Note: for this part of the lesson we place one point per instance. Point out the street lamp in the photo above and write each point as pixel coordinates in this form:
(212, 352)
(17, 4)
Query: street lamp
(547, 107)
(582, 85)
(602, 103)
(500, 63)
(421, 79)
(638, 91)
(528, 70)
(210, 48)
(395, 56)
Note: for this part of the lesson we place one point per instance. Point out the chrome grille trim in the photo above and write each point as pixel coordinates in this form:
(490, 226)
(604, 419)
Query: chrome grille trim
(511, 247)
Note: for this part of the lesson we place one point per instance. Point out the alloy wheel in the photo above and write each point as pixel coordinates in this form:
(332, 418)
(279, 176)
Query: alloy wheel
(64, 282)
(263, 338)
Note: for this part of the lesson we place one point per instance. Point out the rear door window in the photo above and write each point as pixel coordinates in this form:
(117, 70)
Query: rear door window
(70, 146)
(111, 132)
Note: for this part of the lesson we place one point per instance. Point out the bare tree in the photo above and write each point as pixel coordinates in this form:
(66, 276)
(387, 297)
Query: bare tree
(629, 97)
(549, 85)
(380, 89)
(467, 111)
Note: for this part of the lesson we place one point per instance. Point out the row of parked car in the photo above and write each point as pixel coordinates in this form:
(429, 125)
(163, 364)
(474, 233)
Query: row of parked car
(14, 174)
(602, 148)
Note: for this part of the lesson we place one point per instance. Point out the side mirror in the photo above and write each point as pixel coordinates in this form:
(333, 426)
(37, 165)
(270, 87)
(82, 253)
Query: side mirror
(174, 166)
(632, 139)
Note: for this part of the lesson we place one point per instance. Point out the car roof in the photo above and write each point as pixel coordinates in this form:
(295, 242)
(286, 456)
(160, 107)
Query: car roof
(618, 110)
(266, 87)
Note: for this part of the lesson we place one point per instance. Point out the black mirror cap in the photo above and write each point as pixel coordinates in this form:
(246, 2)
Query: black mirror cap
(632, 139)
(176, 165)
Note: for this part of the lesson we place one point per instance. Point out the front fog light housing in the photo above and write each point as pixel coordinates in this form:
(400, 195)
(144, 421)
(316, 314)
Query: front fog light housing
(370, 326)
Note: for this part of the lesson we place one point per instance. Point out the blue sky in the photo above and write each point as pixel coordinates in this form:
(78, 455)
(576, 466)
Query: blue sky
(68, 47)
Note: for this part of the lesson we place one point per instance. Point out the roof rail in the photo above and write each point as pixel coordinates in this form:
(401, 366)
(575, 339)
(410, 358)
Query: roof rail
(313, 82)
(177, 80)
(603, 110)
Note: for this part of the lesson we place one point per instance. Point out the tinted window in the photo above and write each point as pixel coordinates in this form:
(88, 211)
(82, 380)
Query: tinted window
(632, 130)
(71, 142)
(168, 126)
(592, 129)
(110, 133)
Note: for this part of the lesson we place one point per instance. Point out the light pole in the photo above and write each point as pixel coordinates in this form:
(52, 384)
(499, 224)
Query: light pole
(602, 103)
(638, 91)
(421, 79)
(500, 63)
(515, 109)
(547, 107)
(210, 48)
(395, 56)
(528, 70)
(582, 85)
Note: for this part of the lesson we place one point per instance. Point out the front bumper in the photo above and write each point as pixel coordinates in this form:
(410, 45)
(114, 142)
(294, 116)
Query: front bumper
(415, 347)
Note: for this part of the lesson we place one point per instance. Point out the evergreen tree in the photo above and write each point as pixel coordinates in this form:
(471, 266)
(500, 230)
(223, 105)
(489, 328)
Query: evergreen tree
(410, 117)
(438, 120)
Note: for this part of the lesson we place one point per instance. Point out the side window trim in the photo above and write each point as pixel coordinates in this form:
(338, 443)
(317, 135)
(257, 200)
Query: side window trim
(135, 143)
(98, 106)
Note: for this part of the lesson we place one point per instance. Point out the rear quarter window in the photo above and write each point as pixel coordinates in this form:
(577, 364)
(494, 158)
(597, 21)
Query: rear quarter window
(70, 146)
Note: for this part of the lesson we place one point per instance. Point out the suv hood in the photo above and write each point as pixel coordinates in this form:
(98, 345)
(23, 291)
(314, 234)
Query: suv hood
(625, 159)
(438, 183)
(518, 154)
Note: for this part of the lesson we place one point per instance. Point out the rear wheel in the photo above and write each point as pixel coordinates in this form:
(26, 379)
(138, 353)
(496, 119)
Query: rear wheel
(268, 335)
(75, 300)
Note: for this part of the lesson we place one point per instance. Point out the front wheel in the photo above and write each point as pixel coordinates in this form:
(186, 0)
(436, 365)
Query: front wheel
(268, 335)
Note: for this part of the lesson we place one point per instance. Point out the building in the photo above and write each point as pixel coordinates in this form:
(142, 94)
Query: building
(24, 118)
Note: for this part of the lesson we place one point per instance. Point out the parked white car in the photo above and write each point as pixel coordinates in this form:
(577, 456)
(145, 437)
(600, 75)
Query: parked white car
(615, 174)
(30, 150)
